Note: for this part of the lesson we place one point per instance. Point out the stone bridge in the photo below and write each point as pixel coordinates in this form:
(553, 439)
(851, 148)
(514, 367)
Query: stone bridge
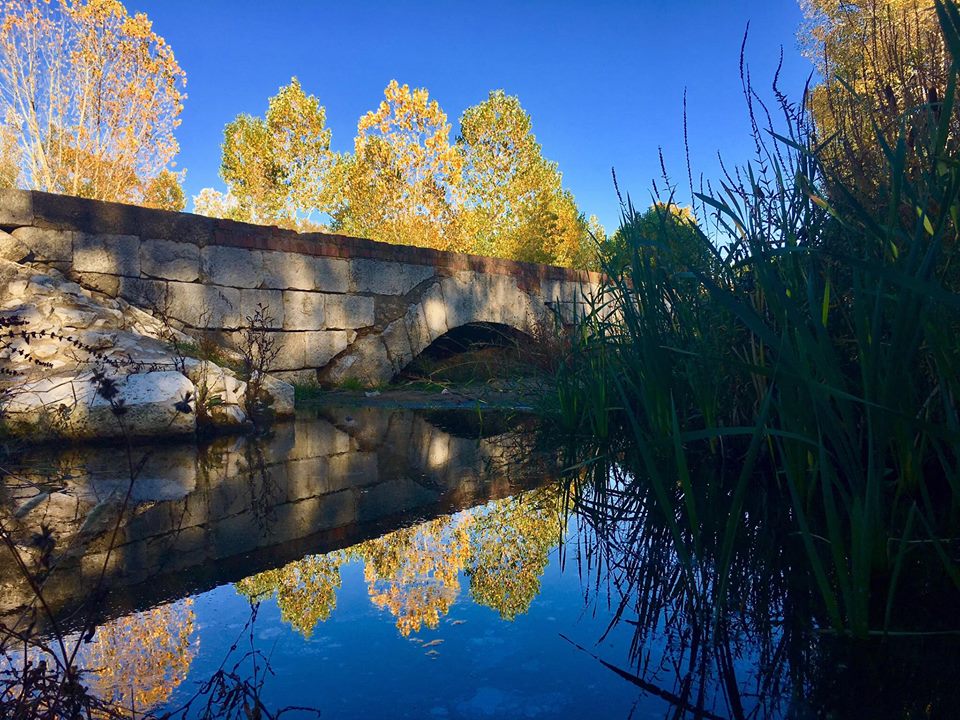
(340, 307)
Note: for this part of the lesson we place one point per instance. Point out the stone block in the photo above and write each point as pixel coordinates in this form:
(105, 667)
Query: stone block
(320, 347)
(348, 312)
(397, 342)
(177, 226)
(331, 275)
(288, 271)
(37, 244)
(367, 362)
(96, 217)
(107, 254)
(145, 294)
(415, 321)
(303, 310)
(434, 311)
(291, 353)
(204, 306)
(16, 207)
(387, 278)
(271, 300)
(231, 267)
(106, 284)
(170, 260)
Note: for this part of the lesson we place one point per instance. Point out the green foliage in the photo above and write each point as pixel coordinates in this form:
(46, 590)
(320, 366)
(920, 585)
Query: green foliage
(814, 362)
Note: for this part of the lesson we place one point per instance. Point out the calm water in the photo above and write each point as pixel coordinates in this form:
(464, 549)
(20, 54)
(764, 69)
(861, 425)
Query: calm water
(396, 564)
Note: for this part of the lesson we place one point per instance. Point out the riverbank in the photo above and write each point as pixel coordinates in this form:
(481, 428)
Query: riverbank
(523, 395)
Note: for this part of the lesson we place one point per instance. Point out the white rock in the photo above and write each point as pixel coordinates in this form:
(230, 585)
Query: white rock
(69, 406)
(282, 395)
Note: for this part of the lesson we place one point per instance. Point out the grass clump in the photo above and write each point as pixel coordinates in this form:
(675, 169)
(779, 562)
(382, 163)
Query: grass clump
(806, 351)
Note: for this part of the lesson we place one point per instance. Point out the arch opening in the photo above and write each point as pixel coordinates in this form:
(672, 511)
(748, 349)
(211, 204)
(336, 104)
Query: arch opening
(473, 352)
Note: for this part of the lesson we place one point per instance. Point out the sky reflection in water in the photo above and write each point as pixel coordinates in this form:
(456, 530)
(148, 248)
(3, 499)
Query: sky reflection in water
(405, 565)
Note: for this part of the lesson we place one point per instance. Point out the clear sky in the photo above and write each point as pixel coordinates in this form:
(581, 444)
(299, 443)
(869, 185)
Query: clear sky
(603, 81)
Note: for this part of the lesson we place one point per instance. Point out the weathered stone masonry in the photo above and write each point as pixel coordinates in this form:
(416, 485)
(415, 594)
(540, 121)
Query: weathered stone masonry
(342, 307)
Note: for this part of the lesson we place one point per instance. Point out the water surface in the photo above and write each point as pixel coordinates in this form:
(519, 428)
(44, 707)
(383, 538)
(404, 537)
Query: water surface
(391, 563)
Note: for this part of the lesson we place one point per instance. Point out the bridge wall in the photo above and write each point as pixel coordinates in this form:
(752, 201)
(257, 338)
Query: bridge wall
(341, 307)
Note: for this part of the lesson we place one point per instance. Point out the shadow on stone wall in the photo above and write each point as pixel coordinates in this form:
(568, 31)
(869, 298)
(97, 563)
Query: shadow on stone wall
(198, 519)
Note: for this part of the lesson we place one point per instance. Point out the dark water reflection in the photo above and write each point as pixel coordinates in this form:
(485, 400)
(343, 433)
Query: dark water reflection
(412, 564)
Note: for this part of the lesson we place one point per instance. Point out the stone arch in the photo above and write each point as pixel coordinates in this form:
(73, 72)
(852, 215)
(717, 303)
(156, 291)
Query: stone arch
(465, 338)
(447, 303)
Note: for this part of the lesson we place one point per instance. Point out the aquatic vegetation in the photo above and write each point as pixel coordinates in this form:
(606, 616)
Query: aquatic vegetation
(810, 366)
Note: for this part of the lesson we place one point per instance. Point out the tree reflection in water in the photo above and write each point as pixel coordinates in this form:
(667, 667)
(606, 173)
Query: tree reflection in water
(305, 590)
(510, 543)
(414, 573)
(136, 662)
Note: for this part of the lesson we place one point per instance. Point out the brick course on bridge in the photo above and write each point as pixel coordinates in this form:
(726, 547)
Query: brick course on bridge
(341, 307)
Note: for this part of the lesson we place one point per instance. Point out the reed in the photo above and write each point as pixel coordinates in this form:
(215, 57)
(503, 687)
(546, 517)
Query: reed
(808, 354)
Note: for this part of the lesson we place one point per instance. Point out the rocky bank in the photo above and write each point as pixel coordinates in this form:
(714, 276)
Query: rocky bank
(78, 364)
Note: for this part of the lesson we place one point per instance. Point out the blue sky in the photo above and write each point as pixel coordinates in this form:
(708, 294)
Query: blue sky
(603, 81)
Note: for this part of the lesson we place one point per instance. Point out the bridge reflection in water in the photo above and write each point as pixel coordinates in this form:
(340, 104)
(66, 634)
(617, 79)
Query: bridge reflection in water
(250, 511)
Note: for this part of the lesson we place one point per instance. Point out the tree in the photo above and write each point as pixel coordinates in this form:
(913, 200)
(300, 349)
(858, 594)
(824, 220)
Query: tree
(511, 200)
(879, 60)
(9, 158)
(165, 191)
(214, 203)
(276, 166)
(667, 231)
(91, 94)
(396, 185)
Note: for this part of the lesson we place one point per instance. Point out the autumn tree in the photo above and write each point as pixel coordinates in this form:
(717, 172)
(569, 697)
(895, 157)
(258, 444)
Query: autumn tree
(9, 158)
(880, 61)
(667, 232)
(92, 96)
(213, 203)
(396, 185)
(275, 166)
(511, 202)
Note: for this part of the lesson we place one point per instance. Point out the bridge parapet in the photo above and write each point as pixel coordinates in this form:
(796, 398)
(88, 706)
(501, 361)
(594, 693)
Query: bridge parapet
(341, 306)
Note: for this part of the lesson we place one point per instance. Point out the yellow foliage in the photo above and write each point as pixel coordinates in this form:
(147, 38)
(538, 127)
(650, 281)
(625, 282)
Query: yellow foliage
(395, 186)
(414, 572)
(510, 201)
(306, 590)
(136, 662)
(276, 167)
(92, 95)
(879, 59)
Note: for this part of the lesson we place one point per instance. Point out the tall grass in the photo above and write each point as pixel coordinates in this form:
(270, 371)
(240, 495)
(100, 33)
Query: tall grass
(811, 355)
